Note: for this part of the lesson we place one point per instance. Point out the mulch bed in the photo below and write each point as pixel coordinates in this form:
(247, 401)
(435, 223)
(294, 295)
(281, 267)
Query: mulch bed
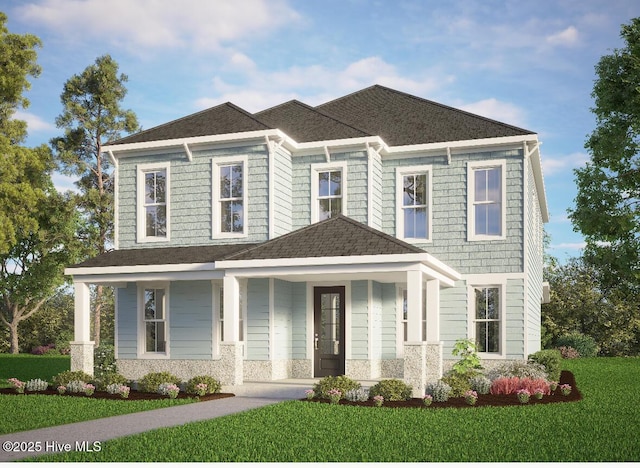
(566, 377)
(133, 395)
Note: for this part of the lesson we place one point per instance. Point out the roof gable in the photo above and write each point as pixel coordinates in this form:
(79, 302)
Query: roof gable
(339, 236)
(402, 119)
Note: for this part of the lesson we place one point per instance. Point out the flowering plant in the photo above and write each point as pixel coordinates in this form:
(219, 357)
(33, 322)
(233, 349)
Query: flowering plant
(471, 397)
(538, 393)
(378, 400)
(89, 389)
(310, 394)
(169, 389)
(201, 389)
(553, 386)
(523, 396)
(124, 391)
(334, 395)
(565, 389)
(62, 389)
(18, 385)
(427, 400)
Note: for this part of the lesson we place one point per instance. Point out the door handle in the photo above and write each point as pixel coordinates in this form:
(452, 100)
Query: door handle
(315, 342)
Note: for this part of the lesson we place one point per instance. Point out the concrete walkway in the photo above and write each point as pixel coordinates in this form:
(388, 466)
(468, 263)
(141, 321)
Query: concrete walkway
(55, 439)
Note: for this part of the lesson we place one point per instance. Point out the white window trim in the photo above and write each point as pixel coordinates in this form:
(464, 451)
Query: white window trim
(215, 196)
(141, 225)
(471, 218)
(471, 314)
(401, 171)
(142, 349)
(322, 167)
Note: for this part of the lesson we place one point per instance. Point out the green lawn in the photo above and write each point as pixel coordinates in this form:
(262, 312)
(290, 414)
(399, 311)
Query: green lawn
(601, 427)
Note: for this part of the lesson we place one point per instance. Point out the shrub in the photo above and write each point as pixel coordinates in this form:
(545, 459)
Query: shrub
(36, 385)
(40, 350)
(439, 390)
(76, 386)
(104, 360)
(213, 385)
(169, 389)
(551, 359)
(341, 382)
(391, 390)
(63, 378)
(109, 378)
(568, 352)
(459, 383)
(359, 394)
(585, 345)
(480, 384)
(469, 359)
(510, 385)
(150, 382)
(522, 369)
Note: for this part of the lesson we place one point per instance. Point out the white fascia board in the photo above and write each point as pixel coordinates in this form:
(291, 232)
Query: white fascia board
(536, 164)
(119, 270)
(119, 279)
(376, 141)
(318, 261)
(320, 270)
(462, 144)
(117, 150)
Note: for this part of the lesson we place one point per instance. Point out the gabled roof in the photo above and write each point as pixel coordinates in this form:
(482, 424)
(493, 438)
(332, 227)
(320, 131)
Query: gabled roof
(303, 123)
(219, 120)
(402, 119)
(162, 256)
(339, 236)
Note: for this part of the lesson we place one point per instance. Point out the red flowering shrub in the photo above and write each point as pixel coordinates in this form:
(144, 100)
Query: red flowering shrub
(511, 385)
(568, 352)
(40, 350)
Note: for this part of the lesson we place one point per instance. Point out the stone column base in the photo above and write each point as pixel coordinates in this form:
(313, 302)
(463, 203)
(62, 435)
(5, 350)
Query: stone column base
(434, 361)
(82, 356)
(232, 364)
(415, 366)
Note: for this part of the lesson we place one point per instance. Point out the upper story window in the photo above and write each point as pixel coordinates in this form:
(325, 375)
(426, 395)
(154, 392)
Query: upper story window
(153, 202)
(328, 190)
(230, 197)
(413, 203)
(486, 200)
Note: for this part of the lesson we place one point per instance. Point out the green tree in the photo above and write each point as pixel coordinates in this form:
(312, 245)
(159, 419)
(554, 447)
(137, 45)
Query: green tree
(580, 304)
(607, 210)
(17, 197)
(93, 116)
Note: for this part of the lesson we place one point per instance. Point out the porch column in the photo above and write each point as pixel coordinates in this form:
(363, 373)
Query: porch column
(434, 344)
(415, 350)
(231, 347)
(82, 347)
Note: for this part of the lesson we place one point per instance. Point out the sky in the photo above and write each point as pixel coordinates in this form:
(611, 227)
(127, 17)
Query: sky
(526, 63)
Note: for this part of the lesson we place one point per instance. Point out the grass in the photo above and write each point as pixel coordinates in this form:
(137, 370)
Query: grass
(601, 427)
(25, 412)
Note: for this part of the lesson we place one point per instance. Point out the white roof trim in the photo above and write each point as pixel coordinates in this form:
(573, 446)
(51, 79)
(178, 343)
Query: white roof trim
(116, 270)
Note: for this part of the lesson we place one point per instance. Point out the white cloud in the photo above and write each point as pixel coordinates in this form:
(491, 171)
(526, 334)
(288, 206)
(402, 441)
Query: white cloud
(63, 183)
(563, 164)
(315, 84)
(497, 110)
(568, 246)
(566, 37)
(155, 24)
(34, 123)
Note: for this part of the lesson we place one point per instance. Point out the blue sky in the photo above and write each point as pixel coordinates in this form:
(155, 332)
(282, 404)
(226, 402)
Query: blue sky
(527, 63)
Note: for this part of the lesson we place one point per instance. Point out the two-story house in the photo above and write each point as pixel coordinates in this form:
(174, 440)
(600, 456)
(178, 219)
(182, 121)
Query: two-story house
(363, 236)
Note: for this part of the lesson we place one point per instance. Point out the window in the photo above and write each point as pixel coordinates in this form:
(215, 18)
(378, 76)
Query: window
(229, 197)
(328, 188)
(487, 316)
(154, 320)
(153, 202)
(404, 315)
(487, 201)
(413, 199)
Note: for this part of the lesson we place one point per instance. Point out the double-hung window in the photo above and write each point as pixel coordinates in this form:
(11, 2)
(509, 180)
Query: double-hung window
(328, 190)
(487, 318)
(413, 203)
(153, 202)
(486, 200)
(153, 306)
(230, 197)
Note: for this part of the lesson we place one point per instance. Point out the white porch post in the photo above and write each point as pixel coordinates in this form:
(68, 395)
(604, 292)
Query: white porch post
(82, 348)
(415, 350)
(434, 345)
(231, 347)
